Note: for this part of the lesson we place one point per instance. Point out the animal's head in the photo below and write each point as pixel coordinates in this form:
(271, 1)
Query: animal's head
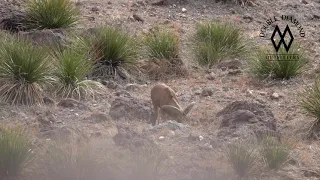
(176, 112)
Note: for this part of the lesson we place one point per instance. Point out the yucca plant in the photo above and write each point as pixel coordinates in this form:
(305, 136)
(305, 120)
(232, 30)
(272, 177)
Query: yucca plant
(262, 66)
(111, 48)
(15, 152)
(310, 103)
(242, 158)
(52, 14)
(216, 41)
(24, 71)
(72, 67)
(162, 45)
(274, 153)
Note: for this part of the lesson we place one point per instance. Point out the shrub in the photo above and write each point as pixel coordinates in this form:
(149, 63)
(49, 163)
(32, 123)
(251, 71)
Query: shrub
(242, 158)
(274, 154)
(24, 70)
(15, 152)
(310, 103)
(72, 68)
(162, 45)
(216, 41)
(112, 48)
(263, 67)
(51, 14)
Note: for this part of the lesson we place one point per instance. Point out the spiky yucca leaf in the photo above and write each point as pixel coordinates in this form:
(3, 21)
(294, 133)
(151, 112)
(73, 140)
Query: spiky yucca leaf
(15, 152)
(242, 158)
(274, 153)
(216, 41)
(262, 66)
(162, 45)
(24, 71)
(310, 103)
(51, 14)
(112, 48)
(73, 65)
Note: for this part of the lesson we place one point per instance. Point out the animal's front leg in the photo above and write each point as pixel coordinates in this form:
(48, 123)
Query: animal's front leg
(154, 118)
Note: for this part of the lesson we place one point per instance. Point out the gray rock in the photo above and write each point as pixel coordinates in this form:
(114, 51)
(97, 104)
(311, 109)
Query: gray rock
(237, 116)
(132, 140)
(243, 119)
(207, 92)
(130, 108)
(211, 76)
(45, 37)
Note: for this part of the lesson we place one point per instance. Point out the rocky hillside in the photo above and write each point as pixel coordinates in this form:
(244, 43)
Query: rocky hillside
(231, 106)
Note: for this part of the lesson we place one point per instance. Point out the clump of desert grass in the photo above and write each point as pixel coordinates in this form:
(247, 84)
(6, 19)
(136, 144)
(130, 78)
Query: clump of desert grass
(216, 41)
(25, 70)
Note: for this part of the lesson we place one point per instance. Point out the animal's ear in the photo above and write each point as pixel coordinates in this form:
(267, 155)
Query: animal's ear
(171, 93)
(171, 110)
(188, 108)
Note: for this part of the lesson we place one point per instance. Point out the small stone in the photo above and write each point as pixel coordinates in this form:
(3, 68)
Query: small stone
(211, 76)
(315, 16)
(234, 71)
(200, 138)
(131, 87)
(275, 96)
(48, 101)
(171, 133)
(248, 18)
(198, 91)
(206, 92)
(137, 18)
(184, 10)
(161, 138)
(249, 91)
(262, 93)
(310, 173)
(95, 9)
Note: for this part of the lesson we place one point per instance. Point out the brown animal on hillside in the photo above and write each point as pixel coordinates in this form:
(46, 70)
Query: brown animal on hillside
(164, 99)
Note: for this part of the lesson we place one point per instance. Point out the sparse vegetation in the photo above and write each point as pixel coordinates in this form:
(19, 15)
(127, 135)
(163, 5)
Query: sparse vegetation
(264, 67)
(216, 41)
(112, 48)
(24, 70)
(242, 158)
(72, 67)
(48, 14)
(68, 162)
(162, 45)
(15, 152)
(274, 153)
